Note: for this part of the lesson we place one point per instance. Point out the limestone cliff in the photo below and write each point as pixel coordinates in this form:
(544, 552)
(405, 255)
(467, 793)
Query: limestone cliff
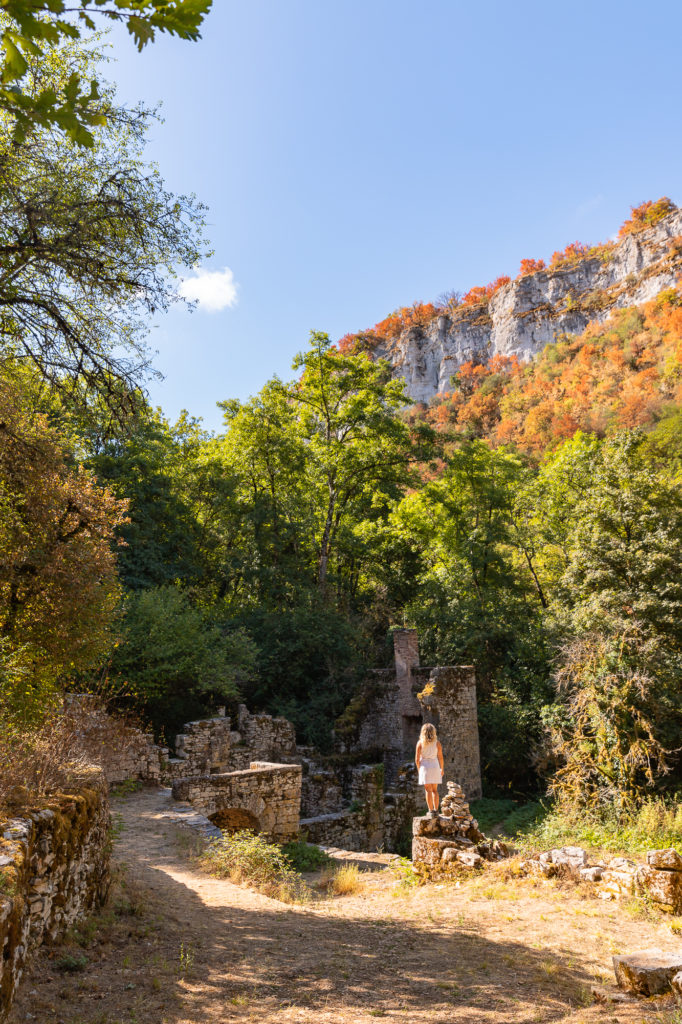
(528, 313)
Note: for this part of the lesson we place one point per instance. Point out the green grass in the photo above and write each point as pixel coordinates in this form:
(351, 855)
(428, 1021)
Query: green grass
(304, 856)
(511, 816)
(657, 824)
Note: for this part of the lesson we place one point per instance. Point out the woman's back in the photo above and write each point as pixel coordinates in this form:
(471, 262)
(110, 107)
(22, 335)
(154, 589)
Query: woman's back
(430, 751)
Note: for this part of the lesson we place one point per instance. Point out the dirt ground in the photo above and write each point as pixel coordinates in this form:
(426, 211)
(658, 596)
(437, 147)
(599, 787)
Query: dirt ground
(176, 946)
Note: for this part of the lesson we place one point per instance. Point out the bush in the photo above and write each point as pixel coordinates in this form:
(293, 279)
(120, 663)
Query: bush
(304, 856)
(175, 659)
(41, 759)
(346, 881)
(244, 857)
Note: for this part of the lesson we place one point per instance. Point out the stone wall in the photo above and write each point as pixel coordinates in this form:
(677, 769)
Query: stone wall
(449, 701)
(260, 738)
(387, 714)
(205, 746)
(54, 868)
(360, 824)
(268, 797)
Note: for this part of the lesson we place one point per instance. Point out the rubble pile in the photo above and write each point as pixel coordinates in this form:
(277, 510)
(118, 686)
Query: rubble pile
(660, 879)
(453, 837)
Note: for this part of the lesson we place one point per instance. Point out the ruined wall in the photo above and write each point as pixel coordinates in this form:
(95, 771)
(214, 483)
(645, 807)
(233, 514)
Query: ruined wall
(54, 868)
(360, 824)
(449, 701)
(268, 794)
(204, 746)
(260, 738)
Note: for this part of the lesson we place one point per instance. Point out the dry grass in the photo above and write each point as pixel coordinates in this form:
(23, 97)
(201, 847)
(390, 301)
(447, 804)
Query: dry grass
(346, 881)
(43, 759)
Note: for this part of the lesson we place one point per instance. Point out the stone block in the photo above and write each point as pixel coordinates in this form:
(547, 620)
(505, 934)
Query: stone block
(592, 874)
(664, 887)
(664, 860)
(430, 851)
(648, 972)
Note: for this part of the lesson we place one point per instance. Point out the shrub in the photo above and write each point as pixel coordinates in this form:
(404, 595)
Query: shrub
(646, 215)
(41, 759)
(656, 824)
(245, 857)
(304, 856)
(346, 881)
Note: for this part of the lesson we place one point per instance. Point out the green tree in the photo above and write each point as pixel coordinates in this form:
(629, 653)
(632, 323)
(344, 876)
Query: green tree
(476, 600)
(174, 659)
(31, 28)
(617, 608)
(358, 448)
(90, 244)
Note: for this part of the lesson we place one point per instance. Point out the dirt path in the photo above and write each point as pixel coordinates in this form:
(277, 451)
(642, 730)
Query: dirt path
(175, 946)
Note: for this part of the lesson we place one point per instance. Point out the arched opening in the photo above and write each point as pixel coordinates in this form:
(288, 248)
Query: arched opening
(235, 819)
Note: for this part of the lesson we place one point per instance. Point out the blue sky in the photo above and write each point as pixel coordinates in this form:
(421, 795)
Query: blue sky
(360, 155)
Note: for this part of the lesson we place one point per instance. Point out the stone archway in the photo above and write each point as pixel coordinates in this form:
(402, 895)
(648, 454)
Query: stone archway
(235, 819)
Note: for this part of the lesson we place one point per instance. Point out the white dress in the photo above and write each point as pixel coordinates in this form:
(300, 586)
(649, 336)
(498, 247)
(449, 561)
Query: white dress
(429, 768)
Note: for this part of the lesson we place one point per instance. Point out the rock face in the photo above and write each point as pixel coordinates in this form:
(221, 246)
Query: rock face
(527, 314)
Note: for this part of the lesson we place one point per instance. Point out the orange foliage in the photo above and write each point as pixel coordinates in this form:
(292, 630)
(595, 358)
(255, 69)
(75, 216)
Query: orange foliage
(573, 252)
(646, 215)
(481, 294)
(616, 374)
(530, 267)
(419, 314)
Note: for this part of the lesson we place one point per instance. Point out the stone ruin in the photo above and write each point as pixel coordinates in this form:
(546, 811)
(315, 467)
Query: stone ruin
(453, 837)
(361, 797)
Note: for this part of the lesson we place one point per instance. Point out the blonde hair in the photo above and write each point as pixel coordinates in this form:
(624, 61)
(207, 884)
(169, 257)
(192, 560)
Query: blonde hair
(428, 734)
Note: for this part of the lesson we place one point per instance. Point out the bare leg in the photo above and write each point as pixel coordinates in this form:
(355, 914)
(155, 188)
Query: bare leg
(436, 798)
(429, 797)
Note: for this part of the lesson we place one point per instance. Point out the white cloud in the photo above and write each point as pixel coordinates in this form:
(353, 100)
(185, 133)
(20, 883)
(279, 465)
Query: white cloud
(212, 290)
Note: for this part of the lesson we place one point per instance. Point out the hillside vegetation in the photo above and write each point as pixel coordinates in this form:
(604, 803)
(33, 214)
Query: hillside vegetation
(624, 373)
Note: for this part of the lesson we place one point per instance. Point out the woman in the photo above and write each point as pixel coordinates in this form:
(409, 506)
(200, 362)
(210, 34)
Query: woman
(429, 760)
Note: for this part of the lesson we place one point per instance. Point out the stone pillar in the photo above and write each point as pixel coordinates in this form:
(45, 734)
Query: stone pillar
(449, 701)
(406, 649)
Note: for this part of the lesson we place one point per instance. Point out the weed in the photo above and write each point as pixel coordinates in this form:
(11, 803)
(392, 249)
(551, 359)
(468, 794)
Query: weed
(72, 963)
(304, 856)
(346, 881)
(407, 877)
(186, 958)
(125, 788)
(8, 885)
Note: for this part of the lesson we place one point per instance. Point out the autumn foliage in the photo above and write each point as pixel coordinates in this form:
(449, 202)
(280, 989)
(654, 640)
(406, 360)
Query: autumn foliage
(58, 581)
(646, 215)
(420, 314)
(622, 373)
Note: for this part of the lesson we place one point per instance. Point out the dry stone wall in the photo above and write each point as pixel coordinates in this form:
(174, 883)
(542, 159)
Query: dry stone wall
(54, 869)
(206, 745)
